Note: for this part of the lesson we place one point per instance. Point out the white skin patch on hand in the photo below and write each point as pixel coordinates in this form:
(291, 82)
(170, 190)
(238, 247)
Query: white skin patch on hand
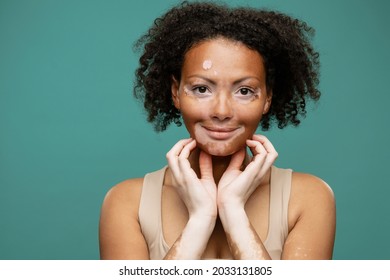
(207, 64)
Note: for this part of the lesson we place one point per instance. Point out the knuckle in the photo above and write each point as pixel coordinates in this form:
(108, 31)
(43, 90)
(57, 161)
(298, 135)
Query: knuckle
(170, 156)
(181, 159)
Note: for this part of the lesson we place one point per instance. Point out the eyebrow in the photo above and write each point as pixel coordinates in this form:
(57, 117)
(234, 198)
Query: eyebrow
(213, 82)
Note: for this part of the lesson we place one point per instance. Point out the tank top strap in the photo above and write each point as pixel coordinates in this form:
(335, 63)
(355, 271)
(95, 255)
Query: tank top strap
(280, 188)
(149, 213)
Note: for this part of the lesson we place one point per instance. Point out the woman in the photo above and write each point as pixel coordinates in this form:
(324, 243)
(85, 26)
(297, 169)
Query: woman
(224, 72)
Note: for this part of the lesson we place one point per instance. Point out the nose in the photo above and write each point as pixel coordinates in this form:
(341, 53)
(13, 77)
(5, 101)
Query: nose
(222, 108)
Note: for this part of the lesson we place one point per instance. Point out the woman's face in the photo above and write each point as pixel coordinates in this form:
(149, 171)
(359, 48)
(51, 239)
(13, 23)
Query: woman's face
(222, 95)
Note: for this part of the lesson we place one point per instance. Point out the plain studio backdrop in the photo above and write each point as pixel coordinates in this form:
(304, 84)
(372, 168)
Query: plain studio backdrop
(70, 128)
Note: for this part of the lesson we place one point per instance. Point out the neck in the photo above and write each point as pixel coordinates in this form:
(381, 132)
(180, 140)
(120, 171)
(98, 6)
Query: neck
(220, 164)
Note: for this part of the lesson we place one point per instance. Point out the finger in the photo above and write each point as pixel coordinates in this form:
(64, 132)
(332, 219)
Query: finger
(256, 147)
(177, 148)
(262, 160)
(205, 166)
(172, 155)
(272, 153)
(266, 143)
(251, 147)
(236, 160)
(256, 166)
(184, 164)
(187, 148)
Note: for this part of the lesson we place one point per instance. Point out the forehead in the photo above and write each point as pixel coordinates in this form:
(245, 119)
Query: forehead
(225, 55)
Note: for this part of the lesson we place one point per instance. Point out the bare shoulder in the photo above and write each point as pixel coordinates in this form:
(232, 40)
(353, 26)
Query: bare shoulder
(124, 194)
(310, 186)
(119, 230)
(309, 193)
(311, 219)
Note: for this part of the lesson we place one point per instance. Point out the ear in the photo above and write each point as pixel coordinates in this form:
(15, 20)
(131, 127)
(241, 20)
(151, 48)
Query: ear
(268, 101)
(175, 93)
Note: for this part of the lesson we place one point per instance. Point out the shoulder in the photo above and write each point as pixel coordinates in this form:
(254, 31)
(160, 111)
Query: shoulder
(125, 194)
(122, 199)
(310, 186)
(311, 218)
(309, 194)
(120, 235)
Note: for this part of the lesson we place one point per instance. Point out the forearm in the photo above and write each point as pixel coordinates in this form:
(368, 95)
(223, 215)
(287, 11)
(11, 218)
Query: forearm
(242, 238)
(193, 240)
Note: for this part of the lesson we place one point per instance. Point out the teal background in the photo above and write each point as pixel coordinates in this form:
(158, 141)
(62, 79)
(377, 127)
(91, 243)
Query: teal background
(70, 128)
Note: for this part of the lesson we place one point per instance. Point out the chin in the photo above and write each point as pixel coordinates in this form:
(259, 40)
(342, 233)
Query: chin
(220, 149)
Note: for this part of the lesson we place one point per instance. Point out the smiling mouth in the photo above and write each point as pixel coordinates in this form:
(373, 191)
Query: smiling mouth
(220, 133)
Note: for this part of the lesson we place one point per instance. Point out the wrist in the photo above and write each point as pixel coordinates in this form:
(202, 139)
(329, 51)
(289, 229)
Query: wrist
(232, 215)
(204, 214)
(230, 206)
(229, 200)
(202, 223)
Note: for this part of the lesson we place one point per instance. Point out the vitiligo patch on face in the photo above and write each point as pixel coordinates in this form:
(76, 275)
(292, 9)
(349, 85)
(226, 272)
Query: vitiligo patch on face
(187, 91)
(207, 64)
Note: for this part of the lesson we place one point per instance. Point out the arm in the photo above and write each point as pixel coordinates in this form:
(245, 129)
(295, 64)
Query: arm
(312, 218)
(242, 238)
(312, 213)
(193, 240)
(120, 234)
(199, 197)
(234, 189)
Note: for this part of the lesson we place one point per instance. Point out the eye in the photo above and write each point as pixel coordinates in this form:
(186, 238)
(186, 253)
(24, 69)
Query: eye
(245, 91)
(201, 90)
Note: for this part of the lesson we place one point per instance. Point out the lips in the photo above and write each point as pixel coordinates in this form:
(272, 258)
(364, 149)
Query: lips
(220, 133)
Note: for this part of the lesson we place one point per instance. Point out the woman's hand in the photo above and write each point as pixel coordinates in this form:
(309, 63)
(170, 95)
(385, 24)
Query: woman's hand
(199, 195)
(236, 186)
(234, 189)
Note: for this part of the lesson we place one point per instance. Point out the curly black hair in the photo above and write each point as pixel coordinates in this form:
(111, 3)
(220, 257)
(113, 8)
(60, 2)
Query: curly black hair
(291, 63)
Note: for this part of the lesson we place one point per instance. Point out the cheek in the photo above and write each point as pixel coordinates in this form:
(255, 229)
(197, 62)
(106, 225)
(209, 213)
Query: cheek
(199, 136)
(191, 115)
(250, 118)
(247, 117)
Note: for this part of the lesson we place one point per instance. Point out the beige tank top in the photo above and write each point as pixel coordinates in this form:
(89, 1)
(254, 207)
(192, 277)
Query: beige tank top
(151, 223)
